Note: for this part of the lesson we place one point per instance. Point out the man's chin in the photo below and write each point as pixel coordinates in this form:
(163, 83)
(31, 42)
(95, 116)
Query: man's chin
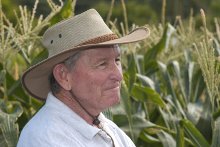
(115, 100)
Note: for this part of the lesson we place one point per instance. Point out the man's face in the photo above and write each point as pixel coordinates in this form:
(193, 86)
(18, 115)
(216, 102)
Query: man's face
(96, 77)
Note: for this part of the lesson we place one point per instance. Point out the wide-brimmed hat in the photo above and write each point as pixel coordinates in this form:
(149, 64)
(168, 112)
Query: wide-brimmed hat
(84, 31)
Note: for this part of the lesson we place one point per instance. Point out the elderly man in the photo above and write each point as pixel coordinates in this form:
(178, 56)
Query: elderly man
(80, 79)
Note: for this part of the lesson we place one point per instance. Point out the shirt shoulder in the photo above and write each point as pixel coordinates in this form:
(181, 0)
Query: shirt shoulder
(47, 129)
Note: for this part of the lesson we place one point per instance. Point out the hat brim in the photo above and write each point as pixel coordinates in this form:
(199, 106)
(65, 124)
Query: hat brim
(35, 79)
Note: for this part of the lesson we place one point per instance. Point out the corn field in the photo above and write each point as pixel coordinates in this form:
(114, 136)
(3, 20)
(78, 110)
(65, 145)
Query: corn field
(170, 94)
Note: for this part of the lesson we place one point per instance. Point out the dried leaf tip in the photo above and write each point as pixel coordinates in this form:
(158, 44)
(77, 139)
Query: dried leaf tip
(203, 17)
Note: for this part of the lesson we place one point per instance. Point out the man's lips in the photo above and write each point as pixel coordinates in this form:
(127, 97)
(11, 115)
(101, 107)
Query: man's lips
(113, 87)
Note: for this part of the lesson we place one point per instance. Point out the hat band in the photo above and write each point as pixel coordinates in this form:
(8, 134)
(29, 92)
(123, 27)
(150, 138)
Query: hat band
(100, 39)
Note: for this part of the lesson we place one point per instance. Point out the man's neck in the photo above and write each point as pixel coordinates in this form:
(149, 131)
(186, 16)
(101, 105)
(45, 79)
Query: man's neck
(67, 98)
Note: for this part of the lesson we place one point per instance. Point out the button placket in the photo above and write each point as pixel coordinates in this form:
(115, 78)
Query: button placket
(105, 135)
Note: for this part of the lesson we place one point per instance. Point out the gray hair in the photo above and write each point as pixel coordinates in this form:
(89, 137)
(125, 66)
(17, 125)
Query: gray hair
(69, 63)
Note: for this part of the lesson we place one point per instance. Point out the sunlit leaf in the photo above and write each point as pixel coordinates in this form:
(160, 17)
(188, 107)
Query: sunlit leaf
(125, 98)
(216, 115)
(146, 81)
(193, 133)
(170, 88)
(166, 139)
(12, 108)
(150, 67)
(2, 75)
(180, 137)
(131, 71)
(2, 141)
(190, 68)
(143, 94)
(139, 60)
(198, 86)
(8, 125)
(65, 12)
(42, 55)
(176, 68)
(139, 123)
(216, 133)
(126, 103)
(14, 88)
(9, 129)
(156, 49)
(169, 119)
(148, 138)
(167, 80)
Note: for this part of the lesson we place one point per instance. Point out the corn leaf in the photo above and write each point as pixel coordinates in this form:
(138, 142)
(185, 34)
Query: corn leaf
(146, 81)
(180, 137)
(42, 55)
(166, 139)
(193, 133)
(126, 103)
(216, 133)
(143, 94)
(9, 113)
(131, 71)
(170, 87)
(65, 12)
(148, 138)
(152, 53)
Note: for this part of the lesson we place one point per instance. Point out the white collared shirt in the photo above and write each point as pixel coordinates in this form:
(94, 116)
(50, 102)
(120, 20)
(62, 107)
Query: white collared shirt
(56, 125)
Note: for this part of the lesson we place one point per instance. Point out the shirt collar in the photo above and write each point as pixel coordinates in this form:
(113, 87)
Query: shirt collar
(71, 118)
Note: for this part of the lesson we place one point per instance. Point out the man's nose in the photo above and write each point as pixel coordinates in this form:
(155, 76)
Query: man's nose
(116, 73)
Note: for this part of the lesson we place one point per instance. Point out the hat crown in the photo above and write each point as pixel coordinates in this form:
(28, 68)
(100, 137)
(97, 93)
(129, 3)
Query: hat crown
(74, 31)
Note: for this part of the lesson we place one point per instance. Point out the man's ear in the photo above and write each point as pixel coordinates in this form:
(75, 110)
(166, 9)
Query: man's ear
(61, 75)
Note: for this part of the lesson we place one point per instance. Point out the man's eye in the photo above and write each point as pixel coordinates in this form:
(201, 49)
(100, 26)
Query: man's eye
(118, 61)
(101, 65)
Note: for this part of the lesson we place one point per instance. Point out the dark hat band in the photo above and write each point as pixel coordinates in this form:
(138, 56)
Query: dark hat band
(100, 39)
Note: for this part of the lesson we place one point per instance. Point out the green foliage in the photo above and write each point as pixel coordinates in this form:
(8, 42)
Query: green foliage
(9, 113)
(170, 93)
(216, 133)
(66, 11)
(194, 134)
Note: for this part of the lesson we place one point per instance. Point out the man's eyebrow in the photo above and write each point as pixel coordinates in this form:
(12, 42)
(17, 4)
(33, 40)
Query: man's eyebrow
(101, 58)
(98, 59)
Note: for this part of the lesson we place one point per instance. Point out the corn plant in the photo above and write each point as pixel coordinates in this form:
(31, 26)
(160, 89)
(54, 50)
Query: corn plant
(177, 98)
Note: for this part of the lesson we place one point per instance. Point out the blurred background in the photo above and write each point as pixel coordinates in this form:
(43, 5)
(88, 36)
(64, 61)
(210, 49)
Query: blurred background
(139, 12)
